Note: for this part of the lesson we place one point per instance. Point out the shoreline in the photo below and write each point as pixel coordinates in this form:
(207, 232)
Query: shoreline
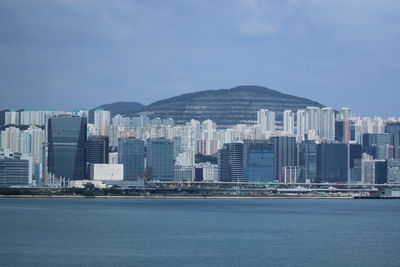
(177, 197)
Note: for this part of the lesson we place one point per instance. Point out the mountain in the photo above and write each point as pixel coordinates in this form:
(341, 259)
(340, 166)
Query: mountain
(225, 106)
(118, 108)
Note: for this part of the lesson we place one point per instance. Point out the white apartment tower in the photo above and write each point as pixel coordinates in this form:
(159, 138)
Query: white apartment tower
(288, 122)
(102, 121)
(266, 119)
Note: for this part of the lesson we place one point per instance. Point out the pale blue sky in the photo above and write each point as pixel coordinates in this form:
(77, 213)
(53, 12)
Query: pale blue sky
(82, 53)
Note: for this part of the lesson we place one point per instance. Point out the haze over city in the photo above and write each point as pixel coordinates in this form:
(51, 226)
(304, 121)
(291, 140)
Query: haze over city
(71, 54)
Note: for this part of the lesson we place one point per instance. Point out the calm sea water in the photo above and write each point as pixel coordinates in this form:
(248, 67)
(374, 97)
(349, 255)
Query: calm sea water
(161, 232)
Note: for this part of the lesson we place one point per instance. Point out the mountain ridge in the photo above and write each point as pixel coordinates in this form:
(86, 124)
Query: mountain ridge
(224, 106)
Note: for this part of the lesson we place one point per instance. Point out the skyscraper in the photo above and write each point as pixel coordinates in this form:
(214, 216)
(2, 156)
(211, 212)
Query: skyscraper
(258, 162)
(393, 171)
(96, 151)
(307, 156)
(288, 122)
(285, 154)
(300, 125)
(327, 124)
(160, 162)
(266, 119)
(66, 147)
(332, 163)
(230, 161)
(102, 121)
(131, 155)
(393, 128)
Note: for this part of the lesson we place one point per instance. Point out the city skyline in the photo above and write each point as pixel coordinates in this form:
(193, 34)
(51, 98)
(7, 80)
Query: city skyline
(98, 52)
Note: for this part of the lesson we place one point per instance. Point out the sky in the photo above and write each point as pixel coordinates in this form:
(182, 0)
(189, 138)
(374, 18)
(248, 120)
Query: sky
(67, 54)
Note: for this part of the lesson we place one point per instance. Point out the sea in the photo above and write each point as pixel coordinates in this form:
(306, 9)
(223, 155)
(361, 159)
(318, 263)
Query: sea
(199, 232)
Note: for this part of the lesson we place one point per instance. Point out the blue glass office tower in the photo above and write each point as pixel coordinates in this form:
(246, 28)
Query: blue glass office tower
(258, 162)
(66, 147)
(160, 160)
(131, 155)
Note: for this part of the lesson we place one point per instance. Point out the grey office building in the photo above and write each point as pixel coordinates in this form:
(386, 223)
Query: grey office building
(15, 170)
(393, 171)
(66, 147)
(160, 160)
(131, 155)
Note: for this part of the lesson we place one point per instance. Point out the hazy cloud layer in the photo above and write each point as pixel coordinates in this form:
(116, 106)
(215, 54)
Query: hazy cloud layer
(83, 53)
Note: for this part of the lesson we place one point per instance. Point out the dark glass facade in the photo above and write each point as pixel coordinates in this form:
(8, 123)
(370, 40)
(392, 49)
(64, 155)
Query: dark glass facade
(332, 163)
(97, 148)
(160, 160)
(381, 172)
(285, 154)
(308, 160)
(230, 161)
(66, 147)
(131, 155)
(258, 162)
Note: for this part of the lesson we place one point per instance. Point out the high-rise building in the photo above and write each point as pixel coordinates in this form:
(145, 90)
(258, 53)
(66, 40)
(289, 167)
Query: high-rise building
(332, 163)
(285, 154)
(96, 151)
(131, 154)
(393, 128)
(160, 162)
(381, 171)
(393, 171)
(344, 114)
(379, 144)
(288, 122)
(327, 124)
(307, 156)
(230, 162)
(300, 125)
(258, 162)
(15, 169)
(342, 131)
(266, 119)
(312, 119)
(373, 171)
(12, 117)
(354, 163)
(102, 121)
(66, 147)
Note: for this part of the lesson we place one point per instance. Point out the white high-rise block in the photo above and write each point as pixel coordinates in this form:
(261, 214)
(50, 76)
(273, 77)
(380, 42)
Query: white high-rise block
(102, 121)
(266, 119)
(288, 122)
(300, 125)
